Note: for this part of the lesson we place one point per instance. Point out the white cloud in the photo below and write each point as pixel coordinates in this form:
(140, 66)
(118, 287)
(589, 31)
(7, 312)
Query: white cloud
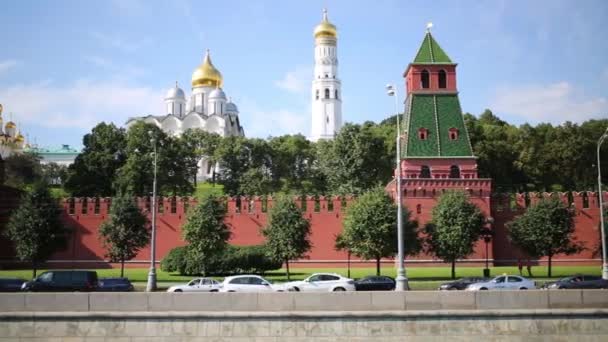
(554, 103)
(263, 122)
(7, 65)
(296, 81)
(82, 104)
(120, 72)
(120, 43)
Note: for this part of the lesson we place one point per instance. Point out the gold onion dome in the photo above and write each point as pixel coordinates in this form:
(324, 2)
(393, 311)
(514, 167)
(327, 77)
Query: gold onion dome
(10, 124)
(207, 75)
(325, 28)
(19, 137)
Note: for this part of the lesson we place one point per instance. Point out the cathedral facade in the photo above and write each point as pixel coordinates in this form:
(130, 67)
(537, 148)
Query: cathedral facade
(207, 108)
(11, 139)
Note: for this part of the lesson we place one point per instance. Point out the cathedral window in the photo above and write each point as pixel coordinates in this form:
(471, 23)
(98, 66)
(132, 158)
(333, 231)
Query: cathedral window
(454, 171)
(327, 118)
(336, 94)
(424, 79)
(326, 93)
(425, 171)
(326, 76)
(317, 94)
(443, 82)
(453, 133)
(423, 133)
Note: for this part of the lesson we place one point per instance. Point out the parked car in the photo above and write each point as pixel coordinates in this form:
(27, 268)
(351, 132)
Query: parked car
(115, 285)
(247, 283)
(197, 285)
(11, 284)
(321, 282)
(504, 282)
(375, 283)
(62, 281)
(462, 283)
(578, 281)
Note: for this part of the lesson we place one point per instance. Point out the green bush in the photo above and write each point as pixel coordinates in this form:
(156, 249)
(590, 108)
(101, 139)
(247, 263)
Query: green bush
(234, 259)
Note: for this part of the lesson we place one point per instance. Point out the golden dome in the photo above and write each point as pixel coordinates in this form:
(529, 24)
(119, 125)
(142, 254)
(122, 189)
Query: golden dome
(325, 28)
(19, 137)
(10, 124)
(207, 75)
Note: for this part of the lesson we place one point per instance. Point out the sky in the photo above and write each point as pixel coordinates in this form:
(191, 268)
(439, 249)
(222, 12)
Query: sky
(67, 65)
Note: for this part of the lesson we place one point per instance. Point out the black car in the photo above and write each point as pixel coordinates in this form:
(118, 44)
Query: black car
(375, 283)
(462, 283)
(11, 284)
(578, 281)
(115, 284)
(63, 281)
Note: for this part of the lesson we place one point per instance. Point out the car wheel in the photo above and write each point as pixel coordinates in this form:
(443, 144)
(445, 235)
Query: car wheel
(523, 288)
(296, 289)
(177, 290)
(339, 289)
(231, 291)
(213, 291)
(483, 289)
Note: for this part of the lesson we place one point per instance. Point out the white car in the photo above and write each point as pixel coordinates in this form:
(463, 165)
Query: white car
(504, 282)
(321, 282)
(197, 285)
(247, 283)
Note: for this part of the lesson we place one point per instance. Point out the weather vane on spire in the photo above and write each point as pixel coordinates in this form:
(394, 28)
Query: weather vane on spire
(429, 26)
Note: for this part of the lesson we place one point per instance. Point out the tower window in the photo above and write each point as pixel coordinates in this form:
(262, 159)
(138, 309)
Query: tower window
(326, 76)
(443, 82)
(425, 171)
(327, 118)
(326, 93)
(454, 171)
(317, 94)
(336, 93)
(424, 79)
(423, 133)
(453, 133)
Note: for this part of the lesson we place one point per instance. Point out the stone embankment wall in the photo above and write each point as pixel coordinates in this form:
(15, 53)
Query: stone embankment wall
(391, 316)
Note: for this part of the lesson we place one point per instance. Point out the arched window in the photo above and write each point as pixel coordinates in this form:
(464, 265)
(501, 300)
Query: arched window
(418, 209)
(326, 93)
(453, 133)
(424, 79)
(423, 133)
(317, 94)
(336, 94)
(443, 81)
(425, 171)
(454, 171)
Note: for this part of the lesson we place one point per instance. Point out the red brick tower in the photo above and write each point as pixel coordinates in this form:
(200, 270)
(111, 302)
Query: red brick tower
(436, 153)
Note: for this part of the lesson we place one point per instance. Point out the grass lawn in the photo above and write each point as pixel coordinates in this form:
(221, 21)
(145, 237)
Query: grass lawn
(421, 278)
(208, 188)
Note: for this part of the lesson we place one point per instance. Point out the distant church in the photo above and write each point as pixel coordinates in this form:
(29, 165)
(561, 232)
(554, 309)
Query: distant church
(207, 108)
(11, 139)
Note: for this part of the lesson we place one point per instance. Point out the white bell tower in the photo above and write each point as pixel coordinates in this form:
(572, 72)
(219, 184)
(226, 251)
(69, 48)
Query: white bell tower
(326, 86)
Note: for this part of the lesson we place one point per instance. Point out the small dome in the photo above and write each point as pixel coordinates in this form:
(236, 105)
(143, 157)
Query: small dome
(231, 108)
(10, 124)
(217, 93)
(175, 92)
(207, 75)
(325, 28)
(19, 138)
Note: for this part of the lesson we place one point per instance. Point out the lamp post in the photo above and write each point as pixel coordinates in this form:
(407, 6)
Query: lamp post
(599, 185)
(401, 280)
(487, 237)
(151, 286)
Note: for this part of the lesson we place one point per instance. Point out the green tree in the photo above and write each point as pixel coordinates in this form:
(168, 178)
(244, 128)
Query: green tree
(256, 181)
(54, 174)
(233, 158)
(545, 229)
(205, 230)
(22, 170)
(370, 228)
(293, 159)
(35, 227)
(455, 228)
(94, 170)
(287, 232)
(203, 144)
(125, 233)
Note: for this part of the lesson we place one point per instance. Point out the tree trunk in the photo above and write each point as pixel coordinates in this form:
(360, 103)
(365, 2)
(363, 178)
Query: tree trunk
(549, 268)
(377, 266)
(287, 266)
(122, 267)
(453, 269)
(33, 270)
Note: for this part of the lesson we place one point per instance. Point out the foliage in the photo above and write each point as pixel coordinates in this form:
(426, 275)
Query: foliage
(233, 259)
(205, 230)
(22, 170)
(545, 229)
(35, 227)
(54, 174)
(94, 169)
(126, 232)
(370, 228)
(454, 229)
(287, 232)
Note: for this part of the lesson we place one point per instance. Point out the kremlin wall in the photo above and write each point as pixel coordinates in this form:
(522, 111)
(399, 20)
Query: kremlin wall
(247, 216)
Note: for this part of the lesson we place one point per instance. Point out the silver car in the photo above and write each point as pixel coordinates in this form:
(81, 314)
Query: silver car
(197, 285)
(504, 282)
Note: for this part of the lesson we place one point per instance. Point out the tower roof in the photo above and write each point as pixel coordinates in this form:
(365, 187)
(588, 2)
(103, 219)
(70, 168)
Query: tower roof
(325, 28)
(430, 52)
(207, 74)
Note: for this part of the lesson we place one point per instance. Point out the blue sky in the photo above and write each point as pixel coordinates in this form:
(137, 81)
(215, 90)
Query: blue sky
(67, 65)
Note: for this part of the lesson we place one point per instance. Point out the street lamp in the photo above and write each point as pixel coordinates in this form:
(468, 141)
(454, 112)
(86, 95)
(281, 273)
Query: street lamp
(151, 286)
(401, 281)
(599, 185)
(487, 237)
